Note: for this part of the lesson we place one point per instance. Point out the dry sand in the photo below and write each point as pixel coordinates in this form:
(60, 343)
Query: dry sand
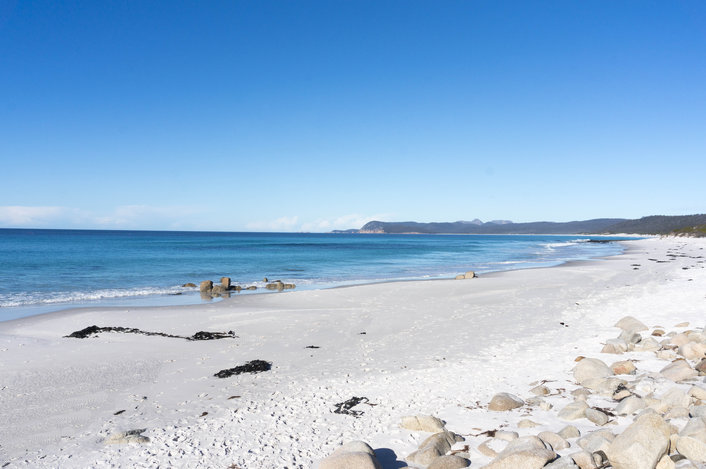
(423, 347)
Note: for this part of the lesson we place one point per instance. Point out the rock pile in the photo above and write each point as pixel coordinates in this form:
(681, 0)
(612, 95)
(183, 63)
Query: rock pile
(638, 418)
(467, 275)
(209, 289)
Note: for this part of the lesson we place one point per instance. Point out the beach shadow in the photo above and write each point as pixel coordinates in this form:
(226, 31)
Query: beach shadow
(388, 459)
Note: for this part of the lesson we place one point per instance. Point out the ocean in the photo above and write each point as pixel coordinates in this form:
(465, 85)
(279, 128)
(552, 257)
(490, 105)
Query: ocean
(49, 270)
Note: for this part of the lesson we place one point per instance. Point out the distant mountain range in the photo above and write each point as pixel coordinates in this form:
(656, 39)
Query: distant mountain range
(646, 225)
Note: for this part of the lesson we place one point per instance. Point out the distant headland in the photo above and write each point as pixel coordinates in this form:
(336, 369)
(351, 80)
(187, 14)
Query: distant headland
(682, 225)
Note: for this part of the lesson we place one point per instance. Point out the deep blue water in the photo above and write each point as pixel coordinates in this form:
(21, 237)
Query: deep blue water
(48, 270)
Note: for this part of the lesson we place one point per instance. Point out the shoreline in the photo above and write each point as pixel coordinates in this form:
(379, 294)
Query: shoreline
(191, 297)
(429, 347)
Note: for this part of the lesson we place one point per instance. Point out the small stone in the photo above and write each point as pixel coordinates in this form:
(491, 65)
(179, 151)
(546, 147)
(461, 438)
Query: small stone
(596, 441)
(695, 428)
(584, 460)
(701, 367)
(596, 416)
(682, 324)
(624, 367)
(556, 441)
(676, 413)
(189, 285)
(590, 368)
(693, 351)
(698, 392)
(666, 355)
(526, 423)
(629, 323)
(469, 274)
(581, 394)
(621, 394)
(615, 346)
(698, 411)
(130, 436)
(676, 397)
(485, 449)
(350, 460)
(460, 277)
(528, 452)
(423, 423)
(569, 431)
(642, 444)
(540, 390)
(573, 411)
(648, 345)
(658, 332)
(436, 445)
(665, 463)
(355, 446)
(678, 370)
(206, 286)
(693, 449)
(449, 462)
(225, 282)
(562, 463)
(630, 405)
(505, 401)
(506, 435)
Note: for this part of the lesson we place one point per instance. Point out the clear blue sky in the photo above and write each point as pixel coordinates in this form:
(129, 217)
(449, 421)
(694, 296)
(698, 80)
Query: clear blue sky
(314, 115)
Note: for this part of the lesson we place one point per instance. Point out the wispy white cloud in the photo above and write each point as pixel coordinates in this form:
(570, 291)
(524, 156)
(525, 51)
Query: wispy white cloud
(121, 217)
(343, 222)
(147, 216)
(280, 224)
(18, 216)
(292, 223)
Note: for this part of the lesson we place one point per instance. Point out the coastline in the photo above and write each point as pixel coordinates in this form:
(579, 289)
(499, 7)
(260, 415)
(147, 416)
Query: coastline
(429, 347)
(191, 297)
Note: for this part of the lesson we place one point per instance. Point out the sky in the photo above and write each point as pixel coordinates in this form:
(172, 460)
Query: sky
(319, 115)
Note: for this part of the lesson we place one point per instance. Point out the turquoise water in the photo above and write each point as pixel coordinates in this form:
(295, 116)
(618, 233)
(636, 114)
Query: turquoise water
(49, 270)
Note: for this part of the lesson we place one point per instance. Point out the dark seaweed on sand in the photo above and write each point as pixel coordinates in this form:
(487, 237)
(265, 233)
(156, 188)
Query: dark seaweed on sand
(346, 407)
(91, 331)
(255, 366)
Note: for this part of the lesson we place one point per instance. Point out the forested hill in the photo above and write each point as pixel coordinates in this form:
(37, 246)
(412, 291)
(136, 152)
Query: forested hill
(460, 227)
(652, 225)
(658, 224)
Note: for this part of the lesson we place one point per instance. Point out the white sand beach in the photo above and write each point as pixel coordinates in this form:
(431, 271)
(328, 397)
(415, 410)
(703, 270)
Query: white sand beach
(441, 348)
